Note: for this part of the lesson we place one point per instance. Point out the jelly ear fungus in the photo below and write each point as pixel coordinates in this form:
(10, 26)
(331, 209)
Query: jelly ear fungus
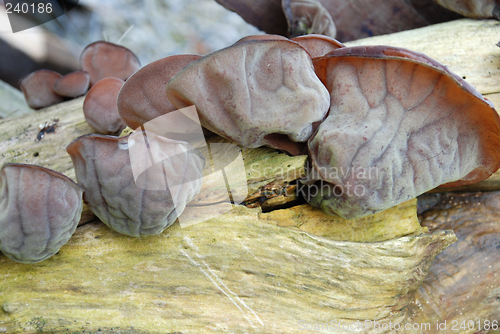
(39, 211)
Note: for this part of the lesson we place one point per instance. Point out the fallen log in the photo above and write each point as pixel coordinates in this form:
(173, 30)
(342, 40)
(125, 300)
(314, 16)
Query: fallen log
(284, 270)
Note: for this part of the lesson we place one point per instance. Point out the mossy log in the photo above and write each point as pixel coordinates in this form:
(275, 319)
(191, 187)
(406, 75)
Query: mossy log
(245, 271)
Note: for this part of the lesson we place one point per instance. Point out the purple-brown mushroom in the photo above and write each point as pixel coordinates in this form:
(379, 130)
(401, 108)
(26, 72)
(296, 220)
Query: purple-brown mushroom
(397, 127)
(73, 84)
(103, 59)
(140, 198)
(255, 93)
(100, 106)
(268, 37)
(37, 89)
(39, 211)
(143, 98)
(318, 45)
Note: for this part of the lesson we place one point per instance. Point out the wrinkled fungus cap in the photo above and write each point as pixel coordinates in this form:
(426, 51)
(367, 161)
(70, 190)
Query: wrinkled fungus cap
(102, 59)
(103, 169)
(255, 93)
(37, 89)
(100, 106)
(143, 97)
(39, 211)
(73, 84)
(399, 124)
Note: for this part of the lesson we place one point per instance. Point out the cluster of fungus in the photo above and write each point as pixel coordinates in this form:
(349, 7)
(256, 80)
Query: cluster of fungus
(104, 67)
(350, 109)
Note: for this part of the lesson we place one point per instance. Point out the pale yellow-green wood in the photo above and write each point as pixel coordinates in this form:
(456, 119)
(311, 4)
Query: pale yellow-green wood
(393, 223)
(236, 273)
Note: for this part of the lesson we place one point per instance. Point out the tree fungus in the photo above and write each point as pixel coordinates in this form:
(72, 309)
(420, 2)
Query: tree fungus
(73, 84)
(100, 108)
(39, 211)
(143, 97)
(37, 89)
(399, 125)
(144, 205)
(102, 59)
(255, 93)
(318, 45)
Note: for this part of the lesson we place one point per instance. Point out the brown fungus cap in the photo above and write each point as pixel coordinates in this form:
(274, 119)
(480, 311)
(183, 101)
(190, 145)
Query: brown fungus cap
(39, 211)
(143, 97)
(268, 37)
(73, 84)
(37, 89)
(318, 45)
(397, 127)
(142, 203)
(100, 106)
(102, 59)
(255, 93)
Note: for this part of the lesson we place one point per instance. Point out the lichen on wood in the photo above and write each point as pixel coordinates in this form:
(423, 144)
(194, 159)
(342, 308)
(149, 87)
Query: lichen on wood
(236, 271)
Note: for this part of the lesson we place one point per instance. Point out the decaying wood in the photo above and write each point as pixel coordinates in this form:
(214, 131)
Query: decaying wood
(464, 281)
(235, 272)
(245, 271)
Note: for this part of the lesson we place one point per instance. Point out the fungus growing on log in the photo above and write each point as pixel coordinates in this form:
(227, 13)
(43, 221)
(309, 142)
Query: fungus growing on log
(399, 124)
(37, 89)
(100, 106)
(73, 84)
(39, 211)
(255, 93)
(102, 59)
(143, 96)
(139, 206)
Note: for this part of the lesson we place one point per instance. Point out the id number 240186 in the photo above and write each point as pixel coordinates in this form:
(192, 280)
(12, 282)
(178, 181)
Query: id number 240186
(474, 325)
(25, 8)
